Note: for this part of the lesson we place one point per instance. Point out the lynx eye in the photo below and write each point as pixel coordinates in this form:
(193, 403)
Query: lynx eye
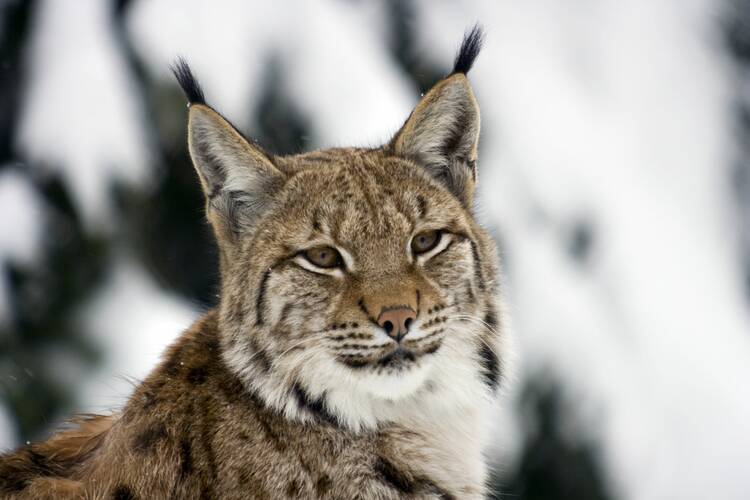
(424, 242)
(325, 257)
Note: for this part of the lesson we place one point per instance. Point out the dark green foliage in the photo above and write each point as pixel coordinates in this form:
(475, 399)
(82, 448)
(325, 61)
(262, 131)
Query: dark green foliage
(165, 224)
(736, 23)
(45, 297)
(45, 300)
(14, 29)
(281, 128)
(553, 465)
(403, 46)
(581, 240)
(737, 29)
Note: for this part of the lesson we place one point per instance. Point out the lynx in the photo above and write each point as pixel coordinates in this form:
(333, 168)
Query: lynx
(359, 342)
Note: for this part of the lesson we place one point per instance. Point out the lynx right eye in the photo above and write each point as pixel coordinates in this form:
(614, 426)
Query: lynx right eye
(324, 257)
(424, 242)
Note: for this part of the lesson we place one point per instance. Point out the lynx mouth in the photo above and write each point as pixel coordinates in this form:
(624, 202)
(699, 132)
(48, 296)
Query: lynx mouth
(399, 358)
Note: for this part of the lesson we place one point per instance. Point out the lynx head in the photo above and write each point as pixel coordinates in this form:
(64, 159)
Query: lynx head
(355, 282)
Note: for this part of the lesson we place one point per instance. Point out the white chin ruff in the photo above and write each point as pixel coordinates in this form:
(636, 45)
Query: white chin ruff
(399, 384)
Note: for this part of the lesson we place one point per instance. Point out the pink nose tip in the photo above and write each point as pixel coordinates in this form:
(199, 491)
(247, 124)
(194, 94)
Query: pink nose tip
(396, 321)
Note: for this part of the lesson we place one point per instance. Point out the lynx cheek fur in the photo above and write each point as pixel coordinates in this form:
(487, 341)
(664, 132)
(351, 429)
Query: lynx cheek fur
(358, 344)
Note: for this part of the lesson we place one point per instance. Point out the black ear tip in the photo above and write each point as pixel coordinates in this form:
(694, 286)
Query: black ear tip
(187, 81)
(470, 47)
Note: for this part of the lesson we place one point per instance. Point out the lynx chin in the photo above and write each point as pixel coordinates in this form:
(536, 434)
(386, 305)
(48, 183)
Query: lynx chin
(359, 341)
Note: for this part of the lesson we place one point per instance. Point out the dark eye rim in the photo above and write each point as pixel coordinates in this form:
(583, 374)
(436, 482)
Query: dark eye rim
(439, 234)
(338, 263)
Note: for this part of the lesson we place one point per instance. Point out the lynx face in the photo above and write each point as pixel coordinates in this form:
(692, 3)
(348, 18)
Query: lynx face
(354, 281)
(362, 270)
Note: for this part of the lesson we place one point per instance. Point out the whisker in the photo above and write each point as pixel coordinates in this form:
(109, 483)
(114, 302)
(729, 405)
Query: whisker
(429, 337)
(477, 320)
(297, 344)
(480, 322)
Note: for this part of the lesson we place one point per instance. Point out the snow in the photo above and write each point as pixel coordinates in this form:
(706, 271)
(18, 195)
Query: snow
(340, 75)
(227, 61)
(134, 320)
(81, 117)
(8, 435)
(334, 62)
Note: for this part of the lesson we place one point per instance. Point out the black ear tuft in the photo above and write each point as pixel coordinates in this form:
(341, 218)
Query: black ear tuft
(187, 81)
(469, 50)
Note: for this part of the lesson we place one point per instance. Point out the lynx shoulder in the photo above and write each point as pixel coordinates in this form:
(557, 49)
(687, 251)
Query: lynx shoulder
(358, 344)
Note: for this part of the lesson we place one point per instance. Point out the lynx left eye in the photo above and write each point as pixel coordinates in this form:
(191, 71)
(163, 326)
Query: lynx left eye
(325, 257)
(424, 242)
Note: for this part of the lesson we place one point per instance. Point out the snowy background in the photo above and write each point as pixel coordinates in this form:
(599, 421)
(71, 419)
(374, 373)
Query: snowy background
(614, 173)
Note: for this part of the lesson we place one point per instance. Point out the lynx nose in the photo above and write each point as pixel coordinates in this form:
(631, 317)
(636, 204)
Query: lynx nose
(396, 321)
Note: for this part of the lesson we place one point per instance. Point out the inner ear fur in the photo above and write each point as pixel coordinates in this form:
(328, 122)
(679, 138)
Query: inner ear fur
(442, 135)
(238, 178)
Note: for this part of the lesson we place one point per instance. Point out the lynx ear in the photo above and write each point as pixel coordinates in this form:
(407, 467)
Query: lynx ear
(442, 133)
(238, 178)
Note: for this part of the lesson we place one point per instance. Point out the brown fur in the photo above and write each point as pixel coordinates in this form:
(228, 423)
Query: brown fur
(190, 430)
(289, 389)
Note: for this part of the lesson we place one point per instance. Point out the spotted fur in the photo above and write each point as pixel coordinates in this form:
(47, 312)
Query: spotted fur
(291, 388)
